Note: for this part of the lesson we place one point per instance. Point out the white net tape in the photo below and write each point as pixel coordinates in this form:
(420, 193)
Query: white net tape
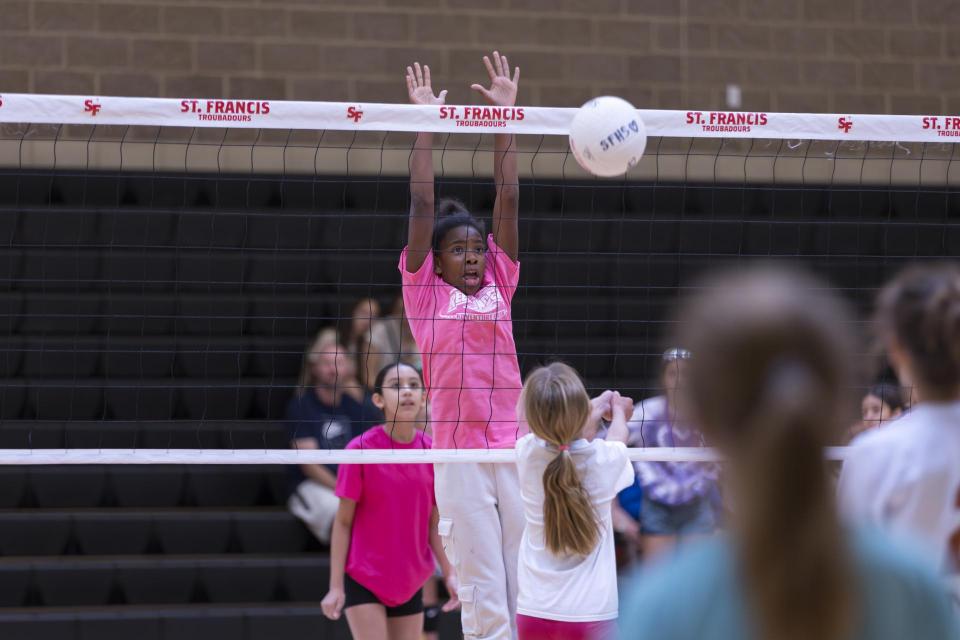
(935, 131)
(347, 116)
(354, 456)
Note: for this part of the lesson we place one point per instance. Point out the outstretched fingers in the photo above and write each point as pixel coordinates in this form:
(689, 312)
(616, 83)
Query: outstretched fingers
(502, 89)
(419, 86)
(489, 66)
(498, 63)
(506, 70)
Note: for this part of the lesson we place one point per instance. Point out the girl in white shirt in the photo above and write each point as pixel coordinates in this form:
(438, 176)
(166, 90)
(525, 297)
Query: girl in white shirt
(906, 476)
(567, 570)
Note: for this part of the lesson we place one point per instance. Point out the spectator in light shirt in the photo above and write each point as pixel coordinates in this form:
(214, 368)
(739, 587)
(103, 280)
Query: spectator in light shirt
(679, 498)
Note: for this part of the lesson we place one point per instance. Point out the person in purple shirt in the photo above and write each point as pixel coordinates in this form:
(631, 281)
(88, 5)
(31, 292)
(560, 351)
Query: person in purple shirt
(678, 498)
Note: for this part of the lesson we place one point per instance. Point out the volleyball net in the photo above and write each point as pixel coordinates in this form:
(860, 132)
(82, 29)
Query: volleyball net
(165, 264)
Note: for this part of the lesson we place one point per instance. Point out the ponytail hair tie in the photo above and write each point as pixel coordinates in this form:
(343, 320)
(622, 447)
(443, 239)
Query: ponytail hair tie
(563, 447)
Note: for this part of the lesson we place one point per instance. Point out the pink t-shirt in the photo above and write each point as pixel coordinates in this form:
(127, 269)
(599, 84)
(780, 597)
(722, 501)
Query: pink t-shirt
(390, 540)
(469, 357)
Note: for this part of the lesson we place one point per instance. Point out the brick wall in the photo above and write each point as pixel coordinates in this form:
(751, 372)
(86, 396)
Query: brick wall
(816, 55)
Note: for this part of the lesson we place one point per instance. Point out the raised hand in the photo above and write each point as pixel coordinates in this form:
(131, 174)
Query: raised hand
(600, 406)
(418, 86)
(503, 89)
(622, 403)
(621, 409)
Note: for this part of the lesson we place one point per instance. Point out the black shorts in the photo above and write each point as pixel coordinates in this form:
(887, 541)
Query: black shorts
(356, 594)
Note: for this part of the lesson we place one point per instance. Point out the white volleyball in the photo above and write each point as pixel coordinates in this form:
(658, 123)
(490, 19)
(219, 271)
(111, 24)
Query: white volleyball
(607, 137)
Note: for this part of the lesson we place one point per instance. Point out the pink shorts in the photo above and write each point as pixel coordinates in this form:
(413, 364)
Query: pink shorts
(530, 628)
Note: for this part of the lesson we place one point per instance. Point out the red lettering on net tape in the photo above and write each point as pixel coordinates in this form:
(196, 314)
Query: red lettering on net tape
(353, 116)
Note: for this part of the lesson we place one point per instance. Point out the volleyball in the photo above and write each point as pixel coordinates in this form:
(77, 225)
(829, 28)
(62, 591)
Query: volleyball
(607, 137)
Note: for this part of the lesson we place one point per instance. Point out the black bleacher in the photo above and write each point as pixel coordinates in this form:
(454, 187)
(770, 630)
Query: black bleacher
(171, 311)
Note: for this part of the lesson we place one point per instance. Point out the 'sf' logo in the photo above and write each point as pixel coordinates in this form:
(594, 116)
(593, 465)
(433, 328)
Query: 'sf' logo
(92, 107)
(354, 114)
(843, 123)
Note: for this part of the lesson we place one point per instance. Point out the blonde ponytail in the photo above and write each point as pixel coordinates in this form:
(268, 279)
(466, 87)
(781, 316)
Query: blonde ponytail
(556, 407)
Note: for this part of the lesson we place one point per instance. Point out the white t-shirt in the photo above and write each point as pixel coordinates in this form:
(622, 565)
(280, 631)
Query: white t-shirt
(905, 477)
(570, 588)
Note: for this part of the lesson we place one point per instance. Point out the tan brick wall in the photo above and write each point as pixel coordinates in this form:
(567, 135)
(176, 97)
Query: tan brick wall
(812, 55)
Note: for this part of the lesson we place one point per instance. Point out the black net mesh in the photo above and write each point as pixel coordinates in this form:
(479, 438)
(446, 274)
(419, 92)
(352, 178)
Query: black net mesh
(159, 286)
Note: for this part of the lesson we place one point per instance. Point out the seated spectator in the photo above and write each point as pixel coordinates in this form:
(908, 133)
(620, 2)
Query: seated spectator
(678, 498)
(882, 403)
(355, 331)
(390, 340)
(328, 410)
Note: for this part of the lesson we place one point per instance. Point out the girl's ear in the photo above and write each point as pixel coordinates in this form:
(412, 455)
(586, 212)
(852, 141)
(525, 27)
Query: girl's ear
(437, 269)
(378, 401)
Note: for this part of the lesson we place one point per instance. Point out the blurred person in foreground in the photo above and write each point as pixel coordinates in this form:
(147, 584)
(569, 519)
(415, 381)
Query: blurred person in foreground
(329, 408)
(905, 477)
(769, 386)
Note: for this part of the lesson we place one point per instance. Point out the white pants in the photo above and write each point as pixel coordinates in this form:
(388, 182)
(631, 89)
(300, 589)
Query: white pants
(481, 523)
(317, 506)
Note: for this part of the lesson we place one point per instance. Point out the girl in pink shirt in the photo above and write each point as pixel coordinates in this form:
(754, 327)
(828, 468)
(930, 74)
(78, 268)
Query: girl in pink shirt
(385, 538)
(458, 284)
